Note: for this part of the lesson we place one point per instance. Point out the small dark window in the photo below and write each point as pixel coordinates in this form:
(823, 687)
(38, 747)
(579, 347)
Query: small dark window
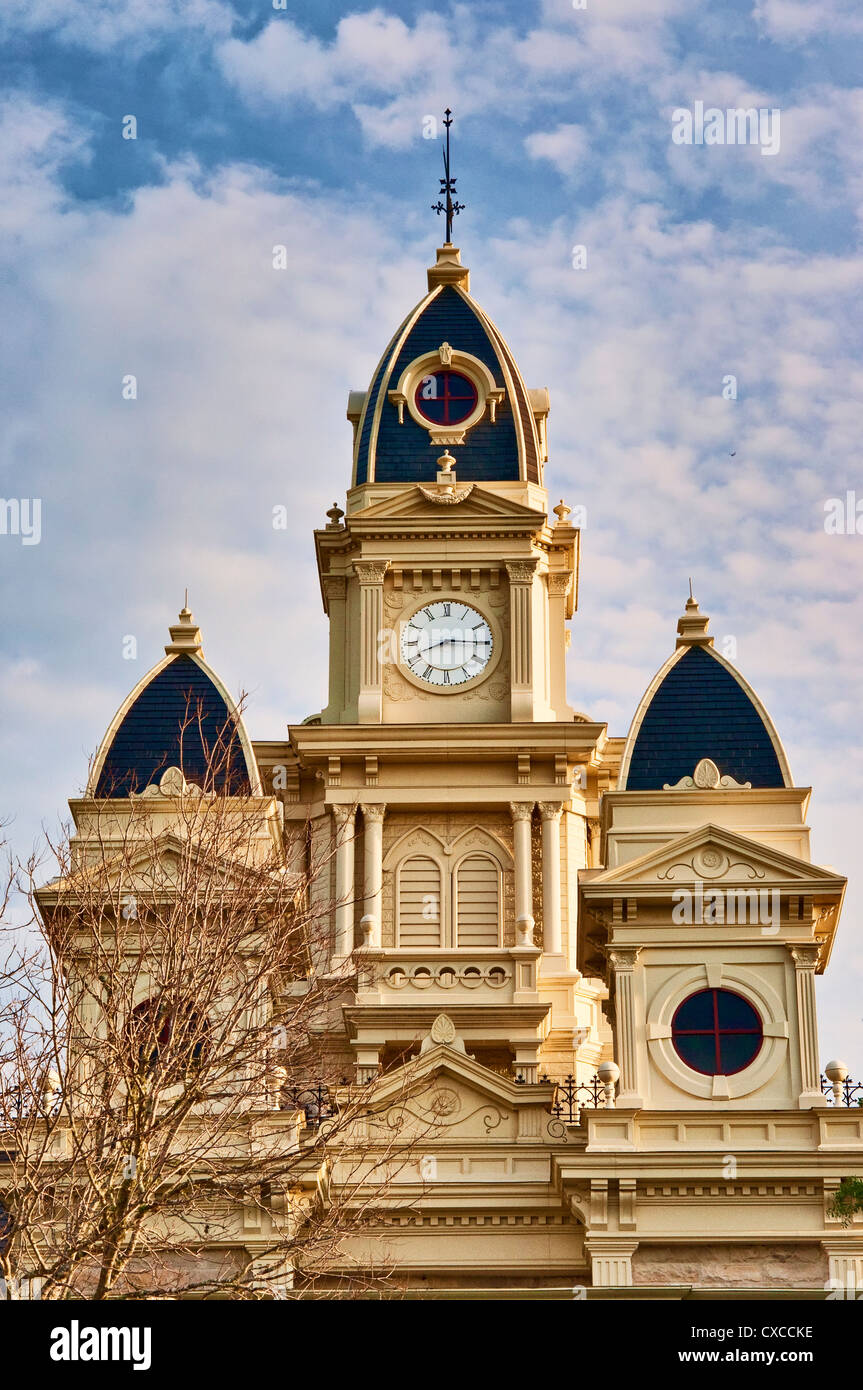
(173, 1037)
(446, 398)
(716, 1032)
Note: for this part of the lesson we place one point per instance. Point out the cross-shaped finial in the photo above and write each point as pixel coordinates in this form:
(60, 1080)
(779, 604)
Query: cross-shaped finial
(447, 185)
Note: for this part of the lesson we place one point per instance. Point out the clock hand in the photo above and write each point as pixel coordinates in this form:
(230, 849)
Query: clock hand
(456, 641)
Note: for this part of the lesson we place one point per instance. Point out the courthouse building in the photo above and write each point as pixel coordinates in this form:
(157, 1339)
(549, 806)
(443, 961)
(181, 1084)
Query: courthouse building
(597, 950)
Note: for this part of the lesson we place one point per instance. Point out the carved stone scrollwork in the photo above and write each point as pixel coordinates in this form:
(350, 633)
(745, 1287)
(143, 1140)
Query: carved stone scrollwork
(706, 777)
(171, 783)
(446, 498)
(709, 862)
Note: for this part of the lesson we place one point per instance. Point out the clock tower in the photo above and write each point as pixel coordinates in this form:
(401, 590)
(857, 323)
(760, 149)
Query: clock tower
(449, 787)
(446, 587)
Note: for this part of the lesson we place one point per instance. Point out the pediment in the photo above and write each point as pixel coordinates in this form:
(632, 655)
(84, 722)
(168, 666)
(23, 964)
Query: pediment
(154, 865)
(446, 1093)
(424, 502)
(714, 854)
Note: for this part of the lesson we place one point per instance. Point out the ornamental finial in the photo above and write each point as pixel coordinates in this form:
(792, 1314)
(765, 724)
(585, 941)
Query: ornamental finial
(185, 633)
(692, 626)
(447, 185)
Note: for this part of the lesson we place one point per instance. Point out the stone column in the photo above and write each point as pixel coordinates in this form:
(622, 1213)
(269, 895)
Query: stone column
(552, 934)
(370, 574)
(559, 589)
(623, 961)
(335, 587)
(521, 638)
(805, 960)
(611, 1261)
(343, 945)
(522, 812)
(373, 866)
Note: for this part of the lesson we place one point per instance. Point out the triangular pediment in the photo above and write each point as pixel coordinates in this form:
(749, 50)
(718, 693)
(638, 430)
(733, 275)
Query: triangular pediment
(714, 854)
(446, 1093)
(155, 865)
(424, 502)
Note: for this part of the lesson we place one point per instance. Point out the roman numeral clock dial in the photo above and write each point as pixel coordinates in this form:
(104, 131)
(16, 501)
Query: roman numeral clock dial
(446, 644)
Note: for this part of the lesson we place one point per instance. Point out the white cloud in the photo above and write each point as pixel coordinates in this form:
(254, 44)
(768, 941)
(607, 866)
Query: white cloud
(564, 147)
(371, 53)
(103, 25)
(796, 21)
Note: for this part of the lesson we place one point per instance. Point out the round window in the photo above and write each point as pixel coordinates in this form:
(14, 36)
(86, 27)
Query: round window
(445, 397)
(716, 1032)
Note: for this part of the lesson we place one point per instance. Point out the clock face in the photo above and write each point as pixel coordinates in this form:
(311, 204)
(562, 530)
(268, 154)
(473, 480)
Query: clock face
(446, 644)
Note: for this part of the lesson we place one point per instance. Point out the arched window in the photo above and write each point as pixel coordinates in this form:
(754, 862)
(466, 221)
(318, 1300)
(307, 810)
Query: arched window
(477, 901)
(420, 916)
(716, 1032)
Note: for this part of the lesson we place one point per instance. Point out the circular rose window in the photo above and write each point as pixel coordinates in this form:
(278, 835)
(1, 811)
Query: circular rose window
(445, 398)
(716, 1032)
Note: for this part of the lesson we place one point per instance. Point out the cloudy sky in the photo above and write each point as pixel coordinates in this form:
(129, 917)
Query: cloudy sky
(304, 125)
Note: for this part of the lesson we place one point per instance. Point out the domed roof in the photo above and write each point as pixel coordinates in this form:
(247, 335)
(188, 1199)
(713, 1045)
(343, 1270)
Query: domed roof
(446, 333)
(698, 707)
(179, 716)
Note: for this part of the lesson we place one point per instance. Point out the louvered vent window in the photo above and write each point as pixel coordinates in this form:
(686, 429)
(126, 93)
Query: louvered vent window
(419, 902)
(478, 902)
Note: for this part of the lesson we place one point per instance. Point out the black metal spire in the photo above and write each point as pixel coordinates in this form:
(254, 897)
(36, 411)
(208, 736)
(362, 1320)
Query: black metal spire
(447, 185)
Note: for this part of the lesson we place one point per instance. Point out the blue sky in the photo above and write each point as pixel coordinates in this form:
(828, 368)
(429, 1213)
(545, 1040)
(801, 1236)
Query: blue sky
(304, 126)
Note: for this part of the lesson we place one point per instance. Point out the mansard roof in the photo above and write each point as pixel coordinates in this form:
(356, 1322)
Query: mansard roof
(504, 444)
(698, 707)
(180, 715)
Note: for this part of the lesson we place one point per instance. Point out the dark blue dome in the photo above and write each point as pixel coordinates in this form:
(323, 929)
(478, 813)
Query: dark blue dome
(151, 736)
(503, 444)
(701, 710)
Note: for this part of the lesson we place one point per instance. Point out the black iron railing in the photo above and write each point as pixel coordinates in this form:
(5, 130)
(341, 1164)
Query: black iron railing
(317, 1102)
(571, 1097)
(850, 1092)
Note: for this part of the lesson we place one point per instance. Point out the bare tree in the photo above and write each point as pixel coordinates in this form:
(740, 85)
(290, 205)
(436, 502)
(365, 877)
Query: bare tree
(173, 1101)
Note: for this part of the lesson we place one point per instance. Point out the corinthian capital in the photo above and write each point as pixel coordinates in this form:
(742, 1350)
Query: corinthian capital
(559, 585)
(521, 810)
(373, 811)
(623, 958)
(520, 571)
(550, 810)
(371, 571)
